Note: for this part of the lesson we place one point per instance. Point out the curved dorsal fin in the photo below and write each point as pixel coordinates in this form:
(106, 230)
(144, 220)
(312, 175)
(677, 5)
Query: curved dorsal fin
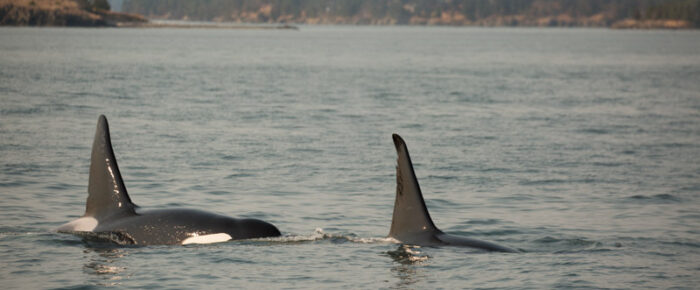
(410, 213)
(107, 196)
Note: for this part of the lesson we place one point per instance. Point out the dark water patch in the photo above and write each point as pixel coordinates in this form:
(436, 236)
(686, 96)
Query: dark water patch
(196, 188)
(327, 111)
(79, 287)
(385, 95)
(239, 175)
(496, 170)
(657, 198)
(17, 233)
(232, 157)
(63, 186)
(442, 177)
(662, 254)
(15, 147)
(305, 150)
(20, 111)
(10, 184)
(230, 260)
(473, 98)
(456, 94)
(321, 218)
(202, 165)
(569, 245)
(689, 244)
(152, 185)
(575, 284)
(21, 168)
(177, 138)
(62, 240)
(76, 108)
(412, 126)
(483, 137)
(483, 221)
(351, 116)
(77, 148)
(218, 192)
(676, 145)
(594, 131)
(608, 164)
(453, 167)
(543, 182)
(563, 181)
(517, 197)
(488, 233)
(41, 238)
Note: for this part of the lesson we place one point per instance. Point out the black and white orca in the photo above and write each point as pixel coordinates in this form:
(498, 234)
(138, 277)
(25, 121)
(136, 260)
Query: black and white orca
(110, 213)
(411, 223)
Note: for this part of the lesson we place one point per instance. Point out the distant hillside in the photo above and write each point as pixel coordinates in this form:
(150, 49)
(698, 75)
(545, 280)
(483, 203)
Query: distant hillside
(62, 13)
(600, 13)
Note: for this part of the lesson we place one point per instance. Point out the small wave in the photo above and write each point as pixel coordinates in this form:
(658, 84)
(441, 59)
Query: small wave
(490, 233)
(14, 232)
(561, 181)
(20, 111)
(664, 198)
(239, 175)
(320, 235)
(691, 244)
(231, 157)
(407, 254)
(497, 170)
(607, 164)
(572, 241)
(573, 245)
(483, 221)
(442, 177)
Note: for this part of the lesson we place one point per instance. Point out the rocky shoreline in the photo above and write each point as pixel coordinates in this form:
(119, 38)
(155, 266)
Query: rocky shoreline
(60, 13)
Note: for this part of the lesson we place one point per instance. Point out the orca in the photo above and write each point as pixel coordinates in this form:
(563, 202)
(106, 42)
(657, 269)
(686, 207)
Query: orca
(411, 222)
(110, 214)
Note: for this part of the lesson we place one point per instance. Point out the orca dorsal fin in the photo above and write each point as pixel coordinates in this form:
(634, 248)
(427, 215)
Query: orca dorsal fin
(411, 216)
(107, 196)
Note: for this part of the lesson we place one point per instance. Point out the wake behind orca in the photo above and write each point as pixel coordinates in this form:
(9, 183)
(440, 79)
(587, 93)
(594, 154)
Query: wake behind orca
(110, 214)
(411, 223)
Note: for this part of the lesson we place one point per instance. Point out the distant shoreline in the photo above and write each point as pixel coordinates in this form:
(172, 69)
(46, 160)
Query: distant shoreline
(622, 24)
(203, 25)
(70, 14)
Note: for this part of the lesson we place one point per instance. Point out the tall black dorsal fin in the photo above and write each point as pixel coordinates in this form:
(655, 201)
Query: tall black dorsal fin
(410, 213)
(107, 196)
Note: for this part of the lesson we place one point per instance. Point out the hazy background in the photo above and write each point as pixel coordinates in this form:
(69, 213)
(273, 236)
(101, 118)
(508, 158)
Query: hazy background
(596, 13)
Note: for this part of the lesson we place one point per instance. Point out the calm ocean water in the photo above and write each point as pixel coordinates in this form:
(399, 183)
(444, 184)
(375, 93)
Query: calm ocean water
(581, 147)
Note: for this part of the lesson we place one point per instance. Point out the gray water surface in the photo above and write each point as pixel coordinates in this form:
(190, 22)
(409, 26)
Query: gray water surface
(580, 147)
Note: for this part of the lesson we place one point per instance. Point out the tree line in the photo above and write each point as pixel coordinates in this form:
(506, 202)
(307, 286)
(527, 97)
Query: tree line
(445, 12)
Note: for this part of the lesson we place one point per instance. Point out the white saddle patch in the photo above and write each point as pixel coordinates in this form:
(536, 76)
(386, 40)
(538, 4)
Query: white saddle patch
(206, 239)
(83, 224)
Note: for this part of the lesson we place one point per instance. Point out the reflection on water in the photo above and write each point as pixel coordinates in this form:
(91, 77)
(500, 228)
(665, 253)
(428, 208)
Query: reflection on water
(409, 261)
(103, 264)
